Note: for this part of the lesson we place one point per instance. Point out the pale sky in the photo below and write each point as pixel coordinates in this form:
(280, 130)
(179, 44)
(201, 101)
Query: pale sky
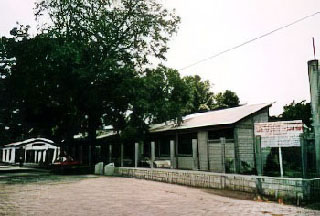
(273, 69)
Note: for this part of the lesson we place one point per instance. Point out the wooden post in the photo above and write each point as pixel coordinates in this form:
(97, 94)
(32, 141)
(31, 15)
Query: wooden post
(153, 153)
(172, 155)
(303, 157)
(110, 153)
(136, 154)
(121, 155)
(259, 156)
(223, 159)
(280, 162)
(195, 154)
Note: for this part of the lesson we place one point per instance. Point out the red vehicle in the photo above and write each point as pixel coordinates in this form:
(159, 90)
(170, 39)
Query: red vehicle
(66, 161)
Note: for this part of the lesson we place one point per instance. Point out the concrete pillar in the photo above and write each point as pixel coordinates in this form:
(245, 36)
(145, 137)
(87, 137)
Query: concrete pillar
(203, 150)
(153, 153)
(223, 154)
(259, 162)
(110, 153)
(121, 155)
(303, 157)
(314, 80)
(141, 149)
(173, 155)
(136, 154)
(195, 154)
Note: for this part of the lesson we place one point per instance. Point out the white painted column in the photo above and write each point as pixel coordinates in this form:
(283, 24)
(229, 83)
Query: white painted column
(13, 155)
(3, 155)
(153, 153)
(54, 155)
(35, 156)
(195, 154)
(172, 155)
(44, 156)
(136, 154)
(39, 156)
(280, 162)
(7, 155)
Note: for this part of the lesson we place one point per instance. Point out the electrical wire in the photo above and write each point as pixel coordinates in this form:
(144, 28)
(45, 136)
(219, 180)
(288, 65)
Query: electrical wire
(249, 41)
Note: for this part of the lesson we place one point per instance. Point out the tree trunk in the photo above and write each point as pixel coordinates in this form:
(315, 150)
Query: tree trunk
(91, 137)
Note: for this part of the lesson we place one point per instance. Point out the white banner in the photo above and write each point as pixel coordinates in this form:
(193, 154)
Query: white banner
(279, 134)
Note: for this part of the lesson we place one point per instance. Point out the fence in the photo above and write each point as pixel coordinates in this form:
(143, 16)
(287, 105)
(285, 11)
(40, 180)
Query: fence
(296, 161)
(221, 155)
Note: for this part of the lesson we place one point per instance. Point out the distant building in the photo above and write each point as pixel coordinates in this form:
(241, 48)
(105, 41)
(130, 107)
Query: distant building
(34, 151)
(219, 141)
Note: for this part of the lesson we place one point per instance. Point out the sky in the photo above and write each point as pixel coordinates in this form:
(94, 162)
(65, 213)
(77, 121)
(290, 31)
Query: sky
(270, 70)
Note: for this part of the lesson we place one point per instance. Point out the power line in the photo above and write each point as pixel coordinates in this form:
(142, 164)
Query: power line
(249, 41)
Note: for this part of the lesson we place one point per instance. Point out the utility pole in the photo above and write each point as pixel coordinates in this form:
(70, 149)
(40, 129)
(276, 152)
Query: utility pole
(314, 80)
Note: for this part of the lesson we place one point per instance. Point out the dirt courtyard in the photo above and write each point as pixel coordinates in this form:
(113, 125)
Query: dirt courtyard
(124, 196)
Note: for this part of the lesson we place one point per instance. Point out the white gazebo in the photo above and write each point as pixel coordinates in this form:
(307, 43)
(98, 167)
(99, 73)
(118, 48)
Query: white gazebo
(37, 148)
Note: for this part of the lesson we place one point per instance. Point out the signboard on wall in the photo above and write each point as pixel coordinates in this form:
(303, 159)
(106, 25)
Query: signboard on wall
(279, 134)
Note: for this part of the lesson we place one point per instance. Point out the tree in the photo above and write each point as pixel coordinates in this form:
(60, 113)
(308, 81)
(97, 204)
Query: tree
(226, 99)
(202, 97)
(76, 73)
(296, 111)
(111, 43)
(160, 95)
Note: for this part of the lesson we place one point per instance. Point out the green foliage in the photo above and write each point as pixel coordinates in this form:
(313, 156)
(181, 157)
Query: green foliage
(86, 67)
(202, 97)
(296, 111)
(226, 99)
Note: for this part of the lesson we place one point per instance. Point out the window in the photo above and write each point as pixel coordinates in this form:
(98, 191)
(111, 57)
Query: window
(165, 145)
(185, 144)
(217, 134)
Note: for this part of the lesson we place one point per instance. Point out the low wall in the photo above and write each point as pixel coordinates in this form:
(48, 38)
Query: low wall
(295, 190)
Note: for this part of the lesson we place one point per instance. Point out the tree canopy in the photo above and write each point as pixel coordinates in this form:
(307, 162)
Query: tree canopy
(296, 111)
(85, 67)
(90, 66)
(226, 99)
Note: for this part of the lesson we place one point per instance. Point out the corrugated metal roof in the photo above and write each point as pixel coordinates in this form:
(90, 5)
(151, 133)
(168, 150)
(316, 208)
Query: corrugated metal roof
(212, 118)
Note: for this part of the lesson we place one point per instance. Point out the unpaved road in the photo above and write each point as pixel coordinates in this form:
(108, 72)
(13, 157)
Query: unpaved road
(125, 196)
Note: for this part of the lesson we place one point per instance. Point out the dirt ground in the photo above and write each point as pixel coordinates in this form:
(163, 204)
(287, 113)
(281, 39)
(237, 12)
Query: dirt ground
(89, 195)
